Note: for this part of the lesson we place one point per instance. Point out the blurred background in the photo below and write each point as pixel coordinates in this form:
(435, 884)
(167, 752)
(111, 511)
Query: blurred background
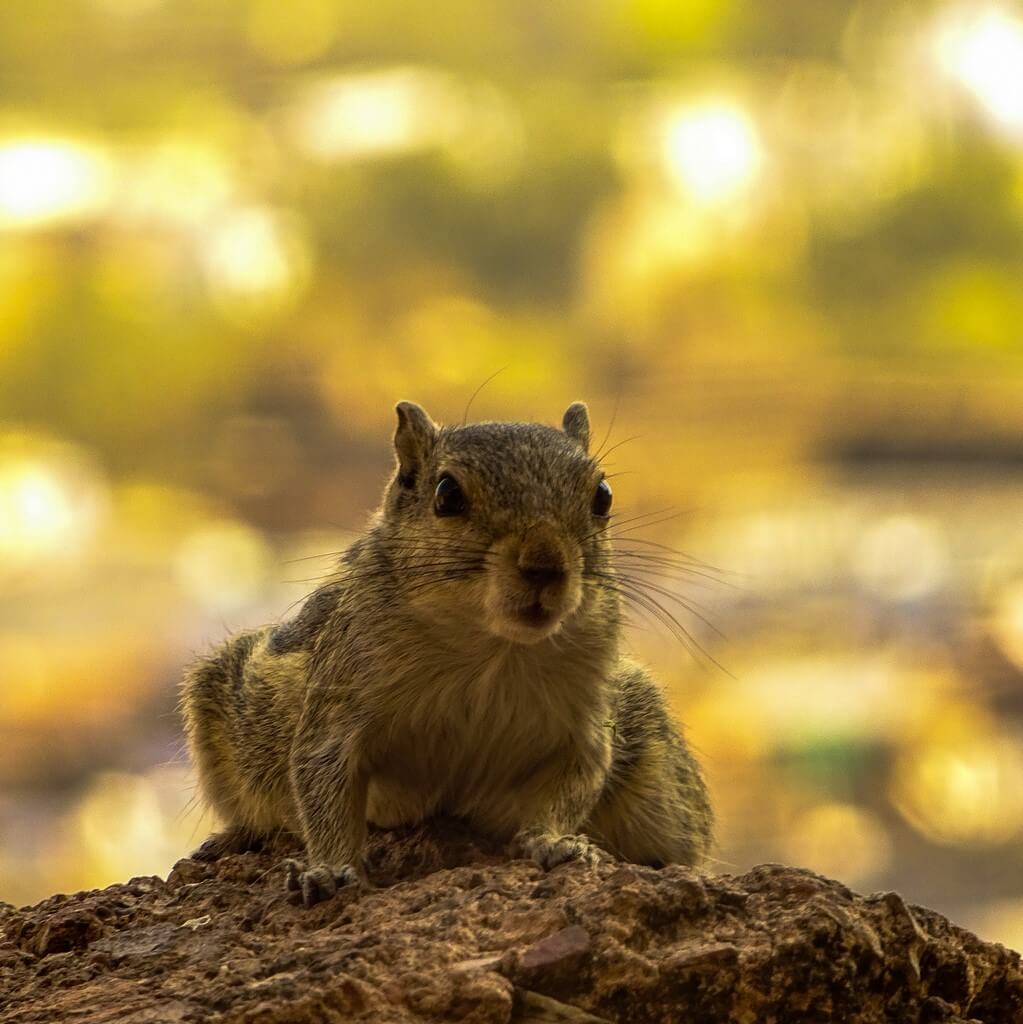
(780, 243)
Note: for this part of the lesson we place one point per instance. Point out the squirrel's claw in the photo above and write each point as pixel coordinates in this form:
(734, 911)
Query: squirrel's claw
(319, 882)
(549, 850)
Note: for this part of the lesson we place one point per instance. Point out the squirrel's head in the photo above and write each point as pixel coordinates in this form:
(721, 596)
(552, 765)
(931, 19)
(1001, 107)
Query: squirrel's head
(500, 525)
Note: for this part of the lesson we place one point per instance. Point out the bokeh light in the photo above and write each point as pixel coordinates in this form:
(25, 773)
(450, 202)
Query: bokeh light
(255, 260)
(1007, 621)
(840, 840)
(375, 114)
(981, 47)
(224, 566)
(711, 150)
(959, 785)
(901, 558)
(47, 180)
(176, 183)
(51, 502)
(151, 825)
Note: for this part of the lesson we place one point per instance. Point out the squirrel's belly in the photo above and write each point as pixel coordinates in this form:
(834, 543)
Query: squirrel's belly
(488, 753)
(495, 790)
(499, 813)
(390, 803)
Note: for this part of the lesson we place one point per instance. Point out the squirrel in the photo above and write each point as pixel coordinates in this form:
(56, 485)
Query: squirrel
(463, 659)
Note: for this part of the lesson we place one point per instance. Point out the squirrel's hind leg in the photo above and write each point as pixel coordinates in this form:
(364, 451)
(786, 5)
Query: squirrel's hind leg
(235, 839)
(654, 808)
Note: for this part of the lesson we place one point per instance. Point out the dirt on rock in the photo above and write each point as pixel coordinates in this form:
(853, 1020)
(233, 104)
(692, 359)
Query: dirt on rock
(456, 931)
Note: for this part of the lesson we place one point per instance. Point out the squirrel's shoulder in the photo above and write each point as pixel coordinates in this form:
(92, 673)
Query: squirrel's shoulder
(361, 583)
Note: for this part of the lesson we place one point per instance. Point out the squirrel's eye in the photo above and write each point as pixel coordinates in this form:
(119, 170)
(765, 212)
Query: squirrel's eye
(448, 499)
(602, 500)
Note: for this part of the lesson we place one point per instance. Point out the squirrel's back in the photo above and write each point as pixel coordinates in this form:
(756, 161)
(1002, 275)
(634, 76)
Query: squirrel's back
(240, 707)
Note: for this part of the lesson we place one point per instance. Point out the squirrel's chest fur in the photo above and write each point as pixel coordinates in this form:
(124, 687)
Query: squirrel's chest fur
(478, 734)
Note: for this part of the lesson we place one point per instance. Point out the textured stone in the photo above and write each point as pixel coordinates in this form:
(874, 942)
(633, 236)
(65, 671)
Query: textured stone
(455, 931)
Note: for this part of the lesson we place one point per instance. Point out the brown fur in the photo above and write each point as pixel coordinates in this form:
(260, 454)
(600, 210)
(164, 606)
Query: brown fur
(465, 664)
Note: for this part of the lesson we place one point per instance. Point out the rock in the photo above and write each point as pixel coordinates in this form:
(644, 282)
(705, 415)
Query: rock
(560, 951)
(455, 931)
(531, 1008)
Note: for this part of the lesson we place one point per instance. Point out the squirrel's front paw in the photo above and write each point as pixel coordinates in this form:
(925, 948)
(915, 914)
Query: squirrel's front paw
(318, 882)
(549, 849)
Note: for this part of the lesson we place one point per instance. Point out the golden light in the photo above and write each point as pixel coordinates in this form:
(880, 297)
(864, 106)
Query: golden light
(292, 33)
(224, 566)
(51, 502)
(489, 146)
(839, 840)
(377, 113)
(1001, 921)
(129, 825)
(901, 557)
(1007, 621)
(176, 182)
(960, 787)
(35, 505)
(255, 260)
(66, 679)
(49, 180)
(655, 236)
(128, 8)
(838, 696)
(982, 49)
(22, 658)
(711, 150)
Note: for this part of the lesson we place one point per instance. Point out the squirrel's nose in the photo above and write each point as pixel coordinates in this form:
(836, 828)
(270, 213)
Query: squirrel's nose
(541, 575)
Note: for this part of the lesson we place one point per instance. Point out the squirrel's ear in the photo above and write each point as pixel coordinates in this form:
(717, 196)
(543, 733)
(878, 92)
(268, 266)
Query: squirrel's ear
(413, 440)
(576, 423)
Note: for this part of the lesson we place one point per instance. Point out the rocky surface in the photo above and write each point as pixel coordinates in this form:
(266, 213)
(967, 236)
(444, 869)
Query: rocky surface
(457, 932)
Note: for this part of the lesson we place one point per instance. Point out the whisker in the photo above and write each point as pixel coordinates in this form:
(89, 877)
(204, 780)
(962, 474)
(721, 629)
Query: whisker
(616, 524)
(402, 546)
(670, 595)
(604, 584)
(341, 576)
(654, 607)
(442, 576)
(640, 563)
(415, 568)
(435, 548)
(472, 397)
(610, 427)
(635, 437)
(659, 558)
(614, 532)
(676, 552)
(309, 558)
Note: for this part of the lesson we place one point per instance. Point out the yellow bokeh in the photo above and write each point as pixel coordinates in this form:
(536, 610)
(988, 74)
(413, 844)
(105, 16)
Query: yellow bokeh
(45, 181)
(839, 840)
(711, 150)
(957, 781)
(51, 503)
(982, 48)
(293, 33)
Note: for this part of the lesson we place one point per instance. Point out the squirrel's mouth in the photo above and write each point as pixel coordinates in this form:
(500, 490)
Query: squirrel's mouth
(535, 615)
(527, 623)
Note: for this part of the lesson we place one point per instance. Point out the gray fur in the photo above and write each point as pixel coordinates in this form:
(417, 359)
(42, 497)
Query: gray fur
(414, 439)
(576, 423)
(462, 664)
